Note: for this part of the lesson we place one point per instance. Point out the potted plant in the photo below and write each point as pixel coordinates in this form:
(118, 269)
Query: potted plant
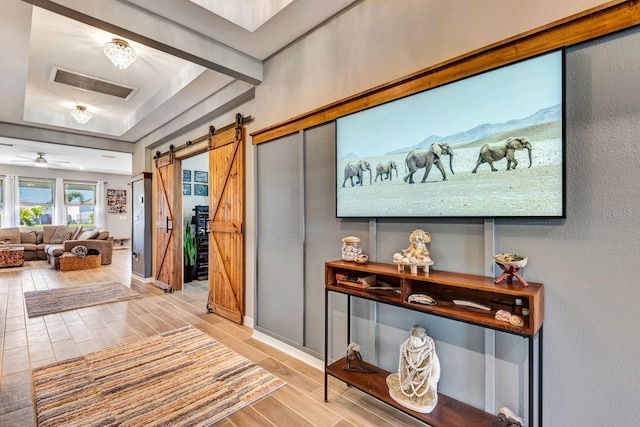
(189, 245)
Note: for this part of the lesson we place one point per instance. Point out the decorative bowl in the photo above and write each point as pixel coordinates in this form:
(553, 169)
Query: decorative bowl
(361, 259)
(511, 260)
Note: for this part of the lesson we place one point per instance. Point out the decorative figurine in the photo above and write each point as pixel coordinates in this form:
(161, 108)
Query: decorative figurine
(505, 414)
(417, 254)
(510, 265)
(415, 386)
(353, 355)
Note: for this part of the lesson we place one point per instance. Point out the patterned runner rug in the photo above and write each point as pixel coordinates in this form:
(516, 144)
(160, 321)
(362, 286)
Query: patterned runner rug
(51, 301)
(178, 378)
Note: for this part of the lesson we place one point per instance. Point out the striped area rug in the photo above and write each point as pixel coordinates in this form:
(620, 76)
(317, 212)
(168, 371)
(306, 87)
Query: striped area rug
(50, 301)
(178, 378)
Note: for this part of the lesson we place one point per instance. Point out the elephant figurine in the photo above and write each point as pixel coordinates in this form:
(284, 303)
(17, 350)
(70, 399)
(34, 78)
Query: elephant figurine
(356, 168)
(490, 153)
(425, 158)
(385, 171)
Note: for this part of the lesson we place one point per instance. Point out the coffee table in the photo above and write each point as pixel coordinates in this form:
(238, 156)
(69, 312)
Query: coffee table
(12, 257)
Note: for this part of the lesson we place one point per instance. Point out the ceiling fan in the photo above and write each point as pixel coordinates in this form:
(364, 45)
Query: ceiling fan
(40, 161)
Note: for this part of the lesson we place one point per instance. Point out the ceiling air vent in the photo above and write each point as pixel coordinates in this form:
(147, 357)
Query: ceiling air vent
(91, 84)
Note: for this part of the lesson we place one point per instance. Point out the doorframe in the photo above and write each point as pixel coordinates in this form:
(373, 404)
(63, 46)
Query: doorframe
(190, 150)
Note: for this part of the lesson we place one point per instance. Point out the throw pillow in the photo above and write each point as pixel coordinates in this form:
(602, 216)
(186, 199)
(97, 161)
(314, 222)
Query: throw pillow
(12, 234)
(76, 233)
(104, 235)
(48, 232)
(28, 237)
(79, 251)
(88, 235)
(61, 236)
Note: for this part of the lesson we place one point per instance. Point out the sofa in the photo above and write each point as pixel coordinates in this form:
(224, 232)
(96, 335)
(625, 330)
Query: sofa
(31, 241)
(52, 241)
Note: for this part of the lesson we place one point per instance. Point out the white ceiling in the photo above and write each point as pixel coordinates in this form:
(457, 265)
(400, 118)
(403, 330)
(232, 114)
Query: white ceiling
(193, 57)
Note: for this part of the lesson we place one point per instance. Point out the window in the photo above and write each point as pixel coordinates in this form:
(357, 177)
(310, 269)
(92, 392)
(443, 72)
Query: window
(36, 201)
(80, 202)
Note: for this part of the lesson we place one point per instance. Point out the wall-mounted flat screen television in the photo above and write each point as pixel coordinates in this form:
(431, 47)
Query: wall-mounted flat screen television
(490, 145)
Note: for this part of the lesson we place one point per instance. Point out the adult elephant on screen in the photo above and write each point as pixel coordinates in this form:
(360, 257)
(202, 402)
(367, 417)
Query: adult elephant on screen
(385, 170)
(427, 157)
(490, 153)
(356, 169)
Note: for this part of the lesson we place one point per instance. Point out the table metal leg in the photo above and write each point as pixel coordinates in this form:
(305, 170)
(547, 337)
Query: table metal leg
(531, 379)
(326, 341)
(531, 388)
(540, 377)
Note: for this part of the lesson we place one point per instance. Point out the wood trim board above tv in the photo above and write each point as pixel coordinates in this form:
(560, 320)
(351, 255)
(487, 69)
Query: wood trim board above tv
(593, 23)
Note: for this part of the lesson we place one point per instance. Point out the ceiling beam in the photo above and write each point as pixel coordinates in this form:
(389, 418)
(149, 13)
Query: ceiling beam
(30, 133)
(229, 98)
(139, 25)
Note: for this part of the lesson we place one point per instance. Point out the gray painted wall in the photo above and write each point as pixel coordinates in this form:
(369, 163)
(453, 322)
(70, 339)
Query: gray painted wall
(587, 262)
(370, 43)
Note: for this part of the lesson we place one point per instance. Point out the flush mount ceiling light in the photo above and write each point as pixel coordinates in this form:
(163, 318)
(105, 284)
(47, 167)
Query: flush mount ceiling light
(80, 114)
(120, 53)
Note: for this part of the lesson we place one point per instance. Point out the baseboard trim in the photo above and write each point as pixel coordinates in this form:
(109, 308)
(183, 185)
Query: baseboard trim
(142, 279)
(291, 351)
(248, 322)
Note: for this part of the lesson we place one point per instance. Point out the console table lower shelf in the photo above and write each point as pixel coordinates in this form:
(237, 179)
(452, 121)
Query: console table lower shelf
(448, 412)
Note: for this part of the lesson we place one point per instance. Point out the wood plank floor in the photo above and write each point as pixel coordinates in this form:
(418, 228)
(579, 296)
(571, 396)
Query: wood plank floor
(26, 343)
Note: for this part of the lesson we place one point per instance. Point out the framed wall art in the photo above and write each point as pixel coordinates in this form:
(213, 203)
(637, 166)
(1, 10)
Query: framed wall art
(201, 176)
(200, 190)
(116, 201)
(186, 189)
(186, 175)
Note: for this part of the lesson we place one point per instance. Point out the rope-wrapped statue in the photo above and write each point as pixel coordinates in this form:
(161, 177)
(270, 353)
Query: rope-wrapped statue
(415, 386)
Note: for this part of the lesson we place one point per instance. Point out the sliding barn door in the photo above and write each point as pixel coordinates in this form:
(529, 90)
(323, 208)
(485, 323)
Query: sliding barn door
(168, 269)
(226, 223)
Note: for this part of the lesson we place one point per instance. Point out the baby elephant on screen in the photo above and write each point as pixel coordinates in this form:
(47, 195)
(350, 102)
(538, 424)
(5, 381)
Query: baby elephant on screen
(385, 170)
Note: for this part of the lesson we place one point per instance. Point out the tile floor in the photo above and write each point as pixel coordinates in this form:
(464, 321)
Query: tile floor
(26, 343)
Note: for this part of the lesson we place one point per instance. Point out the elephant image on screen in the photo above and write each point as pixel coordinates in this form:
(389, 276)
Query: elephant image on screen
(491, 145)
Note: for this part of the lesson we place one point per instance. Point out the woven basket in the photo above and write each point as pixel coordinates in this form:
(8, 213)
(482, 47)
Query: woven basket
(70, 262)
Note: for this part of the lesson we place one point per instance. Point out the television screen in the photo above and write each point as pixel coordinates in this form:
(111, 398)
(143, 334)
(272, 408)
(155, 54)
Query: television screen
(490, 145)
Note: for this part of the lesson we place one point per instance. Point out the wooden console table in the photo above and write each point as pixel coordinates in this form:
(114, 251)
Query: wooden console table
(121, 240)
(444, 287)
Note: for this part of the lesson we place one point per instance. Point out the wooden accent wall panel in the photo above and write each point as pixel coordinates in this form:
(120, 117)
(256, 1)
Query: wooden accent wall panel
(597, 22)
